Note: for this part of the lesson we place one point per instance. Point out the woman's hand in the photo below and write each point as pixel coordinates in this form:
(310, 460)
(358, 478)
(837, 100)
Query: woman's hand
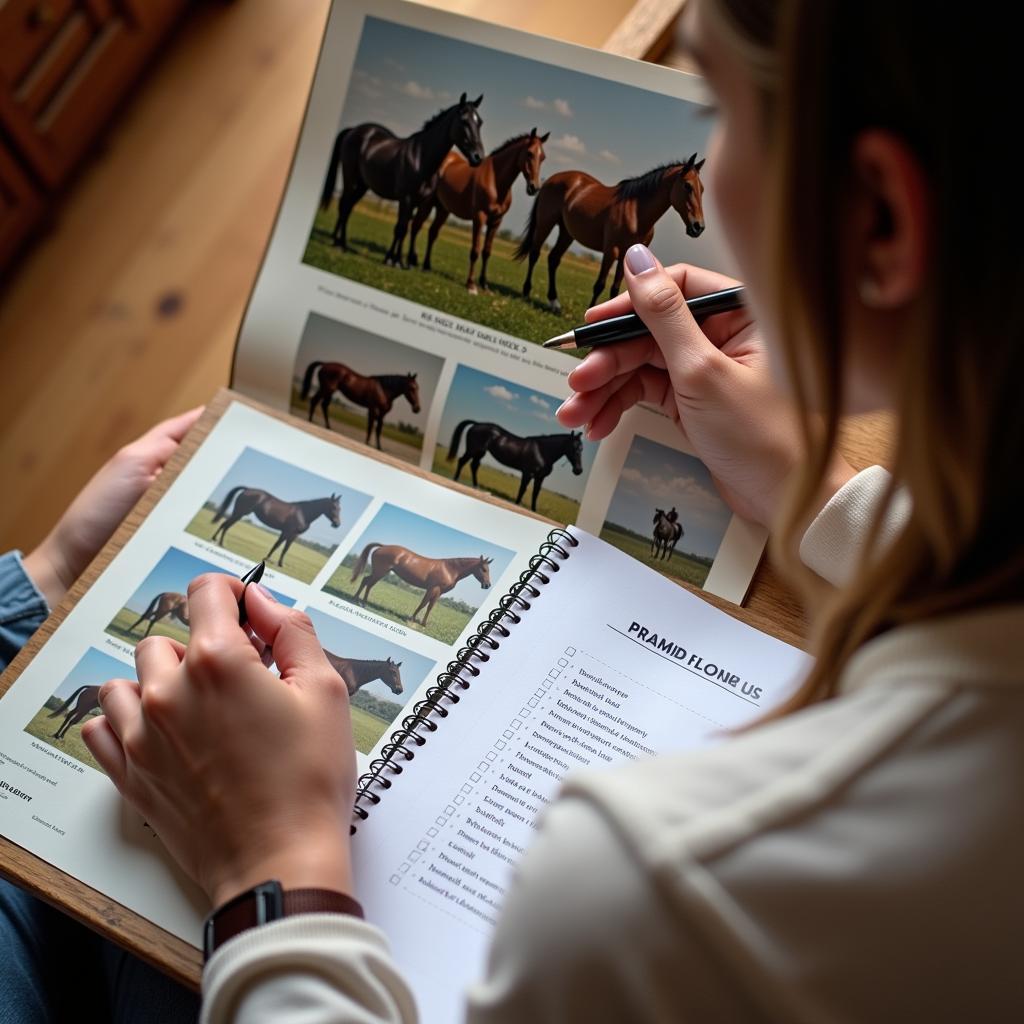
(101, 505)
(713, 380)
(243, 775)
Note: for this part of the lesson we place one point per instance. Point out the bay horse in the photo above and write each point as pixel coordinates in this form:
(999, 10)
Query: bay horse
(372, 157)
(534, 456)
(88, 700)
(436, 575)
(292, 518)
(481, 195)
(357, 672)
(376, 394)
(164, 604)
(608, 218)
(667, 531)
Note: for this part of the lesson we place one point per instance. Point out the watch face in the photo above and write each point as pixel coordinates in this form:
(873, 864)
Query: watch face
(255, 906)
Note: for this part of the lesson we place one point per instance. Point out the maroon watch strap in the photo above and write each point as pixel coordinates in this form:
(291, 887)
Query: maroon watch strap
(319, 901)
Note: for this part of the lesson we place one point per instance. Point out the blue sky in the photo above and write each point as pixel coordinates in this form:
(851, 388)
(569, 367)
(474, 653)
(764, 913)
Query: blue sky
(174, 572)
(369, 354)
(403, 76)
(348, 641)
(393, 525)
(655, 476)
(476, 395)
(255, 469)
(93, 669)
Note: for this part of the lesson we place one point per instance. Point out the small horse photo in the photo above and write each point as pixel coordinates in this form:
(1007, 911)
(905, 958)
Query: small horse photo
(665, 511)
(366, 387)
(59, 721)
(503, 438)
(427, 576)
(381, 677)
(267, 509)
(159, 606)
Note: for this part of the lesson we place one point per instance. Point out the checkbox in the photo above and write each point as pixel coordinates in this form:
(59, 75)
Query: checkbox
(500, 744)
(395, 879)
(507, 734)
(490, 755)
(475, 777)
(524, 713)
(431, 832)
(547, 684)
(449, 810)
(467, 788)
(404, 867)
(539, 692)
(563, 662)
(515, 723)
(483, 766)
(422, 844)
(458, 798)
(439, 819)
(555, 673)
(570, 651)
(533, 701)
(414, 855)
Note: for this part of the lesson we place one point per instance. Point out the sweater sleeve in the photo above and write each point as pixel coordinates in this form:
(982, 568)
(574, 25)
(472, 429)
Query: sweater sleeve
(832, 544)
(22, 607)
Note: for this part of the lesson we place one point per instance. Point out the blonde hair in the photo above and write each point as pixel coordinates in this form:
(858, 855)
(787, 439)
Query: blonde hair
(826, 70)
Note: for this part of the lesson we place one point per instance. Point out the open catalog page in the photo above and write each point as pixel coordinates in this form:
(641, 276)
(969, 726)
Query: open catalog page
(460, 193)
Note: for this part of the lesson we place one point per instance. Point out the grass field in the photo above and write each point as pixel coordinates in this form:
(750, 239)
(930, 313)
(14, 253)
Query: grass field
(352, 424)
(505, 485)
(370, 229)
(678, 568)
(252, 541)
(165, 627)
(367, 729)
(43, 727)
(395, 602)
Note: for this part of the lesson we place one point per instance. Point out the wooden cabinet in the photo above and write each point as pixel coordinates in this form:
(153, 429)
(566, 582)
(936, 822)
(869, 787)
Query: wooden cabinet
(64, 67)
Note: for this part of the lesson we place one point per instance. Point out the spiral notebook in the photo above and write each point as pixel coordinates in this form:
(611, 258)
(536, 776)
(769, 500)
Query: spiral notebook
(487, 653)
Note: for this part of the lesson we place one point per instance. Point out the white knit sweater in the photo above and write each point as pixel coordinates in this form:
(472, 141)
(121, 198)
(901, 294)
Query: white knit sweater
(858, 861)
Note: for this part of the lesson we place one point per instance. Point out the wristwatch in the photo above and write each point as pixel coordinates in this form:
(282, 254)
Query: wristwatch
(266, 902)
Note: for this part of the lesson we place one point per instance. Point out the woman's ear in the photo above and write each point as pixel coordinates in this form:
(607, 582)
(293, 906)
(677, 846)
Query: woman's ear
(890, 220)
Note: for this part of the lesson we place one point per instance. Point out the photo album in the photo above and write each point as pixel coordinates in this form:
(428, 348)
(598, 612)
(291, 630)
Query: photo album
(479, 577)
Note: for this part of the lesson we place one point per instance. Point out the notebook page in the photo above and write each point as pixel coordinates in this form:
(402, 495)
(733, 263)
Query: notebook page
(611, 663)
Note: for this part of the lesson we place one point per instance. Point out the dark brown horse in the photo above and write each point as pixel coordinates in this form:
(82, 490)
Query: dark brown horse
(608, 218)
(373, 158)
(88, 700)
(436, 575)
(481, 195)
(358, 672)
(376, 394)
(667, 531)
(167, 603)
(533, 456)
(292, 518)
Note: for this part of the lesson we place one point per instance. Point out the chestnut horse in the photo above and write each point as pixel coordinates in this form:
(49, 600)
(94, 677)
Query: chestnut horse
(376, 394)
(357, 672)
(436, 575)
(373, 157)
(481, 195)
(167, 603)
(88, 700)
(608, 218)
(667, 531)
(290, 517)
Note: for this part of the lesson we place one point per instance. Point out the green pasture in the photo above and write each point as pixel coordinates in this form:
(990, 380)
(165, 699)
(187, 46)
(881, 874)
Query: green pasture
(370, 229)
(168, 626)
(252, 542)
(680, 567)
(367, 729)
(396, 600)
(42, 727)
(503, 484)
(406, 444)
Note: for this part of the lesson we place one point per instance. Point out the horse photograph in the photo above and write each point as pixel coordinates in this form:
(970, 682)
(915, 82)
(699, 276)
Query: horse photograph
(380, 675)
(503, 438)
(265, 509)
(366, 387)
(59, 721)
(427, 576)
(159, 605)
(565, 172)
(666, 512)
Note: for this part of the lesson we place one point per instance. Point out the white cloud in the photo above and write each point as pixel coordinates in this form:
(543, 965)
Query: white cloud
(534, 104)
(501, 393)
(563, 108)
(417, 91)
(689, 496)
(607, 154)
(573, 143)
(537, 400)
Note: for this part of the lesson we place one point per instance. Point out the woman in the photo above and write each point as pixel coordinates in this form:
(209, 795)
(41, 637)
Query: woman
(855, 858)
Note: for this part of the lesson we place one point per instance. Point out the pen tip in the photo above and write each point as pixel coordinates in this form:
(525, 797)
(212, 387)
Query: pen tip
(560, 340)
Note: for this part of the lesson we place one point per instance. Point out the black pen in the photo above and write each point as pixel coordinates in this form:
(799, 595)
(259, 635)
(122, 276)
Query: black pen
(254, 575)
(624, 328)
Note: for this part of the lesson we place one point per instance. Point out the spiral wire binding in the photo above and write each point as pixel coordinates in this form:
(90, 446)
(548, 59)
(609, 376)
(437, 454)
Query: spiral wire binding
(479, 645)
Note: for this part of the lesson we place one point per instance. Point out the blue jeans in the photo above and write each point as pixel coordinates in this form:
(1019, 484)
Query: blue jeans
(53, 969)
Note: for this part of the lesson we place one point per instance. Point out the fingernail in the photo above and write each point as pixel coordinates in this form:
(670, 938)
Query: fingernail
(266, 593)
(640, 259)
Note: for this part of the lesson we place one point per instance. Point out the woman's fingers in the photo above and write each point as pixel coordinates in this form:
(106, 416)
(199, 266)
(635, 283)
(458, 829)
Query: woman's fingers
(104, 745)
(602, 408)
(605, 364)
(121, 705)
(157, 655)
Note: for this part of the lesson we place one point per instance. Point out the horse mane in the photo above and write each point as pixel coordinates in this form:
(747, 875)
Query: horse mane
(431, 121)
(644, 185)
(391, 378)
(509, 142)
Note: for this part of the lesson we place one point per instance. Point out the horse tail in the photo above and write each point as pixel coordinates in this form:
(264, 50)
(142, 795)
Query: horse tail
(526, 242)
(222, 511)
(67, 703)
(307, 381)
(361, 564)
(457, 437)
(332, 170)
